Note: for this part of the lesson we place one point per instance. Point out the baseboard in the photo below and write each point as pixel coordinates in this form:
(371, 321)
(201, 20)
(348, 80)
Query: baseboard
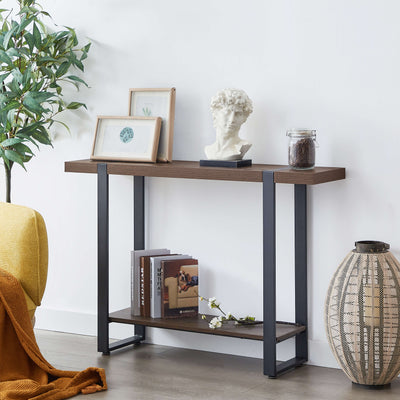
(86, 324)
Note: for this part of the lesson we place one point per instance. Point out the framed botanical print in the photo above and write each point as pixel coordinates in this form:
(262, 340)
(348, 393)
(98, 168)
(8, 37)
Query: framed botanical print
(156, 103)
(126, 139)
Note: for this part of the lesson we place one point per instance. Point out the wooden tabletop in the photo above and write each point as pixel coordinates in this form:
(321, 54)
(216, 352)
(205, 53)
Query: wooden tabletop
(192, 170)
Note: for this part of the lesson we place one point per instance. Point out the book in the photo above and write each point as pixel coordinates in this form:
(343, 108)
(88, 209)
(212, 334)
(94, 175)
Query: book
(156, 282)
(180, 288)
(135, 275)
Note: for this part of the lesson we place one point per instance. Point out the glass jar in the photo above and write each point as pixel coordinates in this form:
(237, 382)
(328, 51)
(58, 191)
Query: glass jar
(301, 150)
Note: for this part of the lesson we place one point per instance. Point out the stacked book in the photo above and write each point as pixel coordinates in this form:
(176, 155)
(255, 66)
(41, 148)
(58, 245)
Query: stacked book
(164, 285)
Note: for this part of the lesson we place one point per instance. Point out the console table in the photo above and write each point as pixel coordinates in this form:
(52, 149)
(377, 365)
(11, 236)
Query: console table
(270, 332)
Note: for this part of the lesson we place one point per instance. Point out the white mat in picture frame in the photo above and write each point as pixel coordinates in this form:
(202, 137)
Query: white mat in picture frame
(126, 138)
(161, 103)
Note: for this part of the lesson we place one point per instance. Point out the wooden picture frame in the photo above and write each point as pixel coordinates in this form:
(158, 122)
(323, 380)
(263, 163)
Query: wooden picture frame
(126, 139)
(160, 103)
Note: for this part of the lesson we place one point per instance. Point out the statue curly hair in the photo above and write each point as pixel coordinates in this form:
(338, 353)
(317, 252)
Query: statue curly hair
(235, 99)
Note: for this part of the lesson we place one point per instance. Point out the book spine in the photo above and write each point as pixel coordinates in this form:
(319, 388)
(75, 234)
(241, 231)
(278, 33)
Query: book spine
(144, 288)
(142, 291)
(155, 290)
(135, 286)
(163, 289)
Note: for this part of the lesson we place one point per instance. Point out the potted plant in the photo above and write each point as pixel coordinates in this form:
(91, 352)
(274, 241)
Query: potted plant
(35, 64)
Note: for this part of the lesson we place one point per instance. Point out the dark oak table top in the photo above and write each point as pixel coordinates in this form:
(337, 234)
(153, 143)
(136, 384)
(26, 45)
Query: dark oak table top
(192, 170)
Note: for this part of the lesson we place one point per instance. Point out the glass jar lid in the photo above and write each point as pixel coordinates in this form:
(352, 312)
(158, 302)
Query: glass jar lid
(301, 132)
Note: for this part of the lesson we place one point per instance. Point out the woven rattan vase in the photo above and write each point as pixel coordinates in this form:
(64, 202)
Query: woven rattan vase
(362, 312)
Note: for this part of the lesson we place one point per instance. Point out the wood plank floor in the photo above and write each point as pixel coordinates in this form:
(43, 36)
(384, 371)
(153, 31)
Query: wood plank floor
(151, 372)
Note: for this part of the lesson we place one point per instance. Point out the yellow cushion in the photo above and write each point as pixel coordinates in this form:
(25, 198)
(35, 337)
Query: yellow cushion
(24, 249)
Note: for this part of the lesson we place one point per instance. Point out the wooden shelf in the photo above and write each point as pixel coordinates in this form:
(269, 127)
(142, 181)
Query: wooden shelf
(192, 170)
(284, 330)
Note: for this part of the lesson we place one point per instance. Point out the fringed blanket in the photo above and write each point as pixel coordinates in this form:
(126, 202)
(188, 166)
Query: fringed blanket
(24, 373)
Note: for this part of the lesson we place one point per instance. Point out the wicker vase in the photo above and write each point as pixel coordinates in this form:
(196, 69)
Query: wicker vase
(362, 312)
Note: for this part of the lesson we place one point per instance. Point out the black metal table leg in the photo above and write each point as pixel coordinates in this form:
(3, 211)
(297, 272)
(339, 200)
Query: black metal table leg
(300, 228)
(138, 213)
(269, 274)
(138, 230)
(103, 260)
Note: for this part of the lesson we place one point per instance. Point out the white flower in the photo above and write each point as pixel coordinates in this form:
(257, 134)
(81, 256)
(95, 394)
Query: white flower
(212, 303)
(215, 323)
(229, 315)
(220, 318)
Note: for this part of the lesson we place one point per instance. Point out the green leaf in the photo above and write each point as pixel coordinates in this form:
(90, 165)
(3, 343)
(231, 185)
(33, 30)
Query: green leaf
(30, 40)
(79, 64)
(11, 117)
(77, 79)
(40, 97)
(3, 155)
(8, 35)
(11, 142)
(17, 75)
(45, 59)
(37, 36)
(61, 34)
(23, 150)
(4, 76)
(15, 157)
(86, 48)
(75, 105)
(42, 137)
(12, 105)
(12, 52)
(24, 23)
(26, 77)
(63, 124)
(32, 105)
(5, 58)
(63, 68)
(14, 86)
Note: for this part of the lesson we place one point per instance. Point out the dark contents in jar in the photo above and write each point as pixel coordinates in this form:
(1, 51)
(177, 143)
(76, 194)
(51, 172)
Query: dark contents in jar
(302, 153)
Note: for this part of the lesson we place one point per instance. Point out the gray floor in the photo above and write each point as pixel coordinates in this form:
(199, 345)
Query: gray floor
(159, 372)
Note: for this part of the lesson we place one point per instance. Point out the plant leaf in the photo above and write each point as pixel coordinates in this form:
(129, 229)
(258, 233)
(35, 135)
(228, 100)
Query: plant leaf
(8, 35)
(11, 142)
(77, 79)
(4, 76)
(75, 105)
(15, 157)
(5, 58)
(30, 40)
(62, 69)
(37, 36)
(12, 105)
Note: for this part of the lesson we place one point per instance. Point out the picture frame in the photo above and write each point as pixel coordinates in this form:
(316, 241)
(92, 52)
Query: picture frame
(126, 139)
(160, 103)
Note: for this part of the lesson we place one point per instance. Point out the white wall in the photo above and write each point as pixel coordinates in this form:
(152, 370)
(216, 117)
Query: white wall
(329, 65)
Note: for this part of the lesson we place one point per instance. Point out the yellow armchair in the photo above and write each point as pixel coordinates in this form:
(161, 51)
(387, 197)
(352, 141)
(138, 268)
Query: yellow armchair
(24, 250)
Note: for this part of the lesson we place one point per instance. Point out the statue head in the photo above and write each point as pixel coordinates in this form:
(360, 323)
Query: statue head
(230, 109)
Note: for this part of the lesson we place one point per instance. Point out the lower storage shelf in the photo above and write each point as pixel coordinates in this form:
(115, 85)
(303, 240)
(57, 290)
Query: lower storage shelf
(284, 330)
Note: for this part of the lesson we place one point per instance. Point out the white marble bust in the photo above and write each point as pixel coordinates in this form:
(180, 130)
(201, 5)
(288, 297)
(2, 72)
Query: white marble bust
(230, 109)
